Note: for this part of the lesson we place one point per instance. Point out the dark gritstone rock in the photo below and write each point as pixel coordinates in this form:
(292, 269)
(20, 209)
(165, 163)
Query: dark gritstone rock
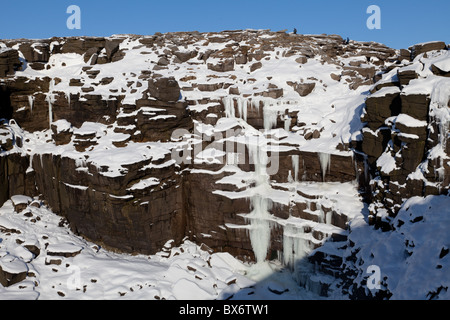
(303, 89)
(130, 194)
(381, 107)
(9, 61)
(165, 89)
(426, 47)
(12, 270)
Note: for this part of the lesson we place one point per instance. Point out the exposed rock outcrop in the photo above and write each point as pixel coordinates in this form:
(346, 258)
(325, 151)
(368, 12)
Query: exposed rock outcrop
(163, 137)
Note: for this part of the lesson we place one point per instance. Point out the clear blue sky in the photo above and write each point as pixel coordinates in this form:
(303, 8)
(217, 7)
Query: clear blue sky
(403, 23)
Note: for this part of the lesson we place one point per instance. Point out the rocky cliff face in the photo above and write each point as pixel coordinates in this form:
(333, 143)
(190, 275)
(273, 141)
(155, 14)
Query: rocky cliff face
(263, 144)
(406, 136)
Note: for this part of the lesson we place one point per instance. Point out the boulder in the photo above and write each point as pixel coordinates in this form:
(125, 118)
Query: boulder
(81, 45)
(9, 61)
(12, 270)
(184, 56)
(303, 89)
(374, 143)
(416, 105)
(365, 72)
(62, 132)
(255, 66)
(426, 47)
(442, 68)
(164, 89)
(241, 59)
(301, 60)
(92, 55)
(20, 202)
(222, 66)
(382, 105)
(405, 76)
(111, 47)
(64, 250)
(35, 51)
(404, 55)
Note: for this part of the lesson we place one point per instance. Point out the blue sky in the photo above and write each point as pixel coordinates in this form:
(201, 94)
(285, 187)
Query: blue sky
(403, 23)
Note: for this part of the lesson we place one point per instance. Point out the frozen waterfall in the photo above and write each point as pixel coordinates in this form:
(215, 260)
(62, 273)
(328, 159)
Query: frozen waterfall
(324, 159)
(260, 204)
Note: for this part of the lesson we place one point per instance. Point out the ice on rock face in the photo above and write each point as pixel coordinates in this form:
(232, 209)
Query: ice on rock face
(324, 159)
(242, 107)
(260, 160)
(261, 204)
(260, 226)
(295, 246)
(287, 123)
(270, 116)
(270, 112)
(229, 107)
(31, 102)
(295, 164)
(51, 100)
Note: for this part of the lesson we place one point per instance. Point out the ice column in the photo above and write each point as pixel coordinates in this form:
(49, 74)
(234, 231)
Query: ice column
(31, 102)
(228, 103)
(50, 99)
(295, 245)
(324, 159)
(270, 116)
(261, 204)
(242, 107)
(68, 99)
(287, 123)
(295, 164)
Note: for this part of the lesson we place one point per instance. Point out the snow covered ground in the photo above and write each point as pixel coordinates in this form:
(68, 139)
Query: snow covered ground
(413, 262)
(413, 259)
(187, 272)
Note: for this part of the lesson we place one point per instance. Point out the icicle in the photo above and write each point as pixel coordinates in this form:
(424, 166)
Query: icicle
(321, 215)
(50, 99)
(295, 164)
(242, 107)
(232, 158)
(255, 105)
(260, 160)
(260, 216)
(324, 159)
(42, 163)
(270, 116)
(290, 179)
(228, 103)
(260, 227)
(295, 246)
(357, 174)
(31, 102)
(30, 167)
(50, 113)
(328, 217)
(68, 99)
(287, 123)
(304, 171)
